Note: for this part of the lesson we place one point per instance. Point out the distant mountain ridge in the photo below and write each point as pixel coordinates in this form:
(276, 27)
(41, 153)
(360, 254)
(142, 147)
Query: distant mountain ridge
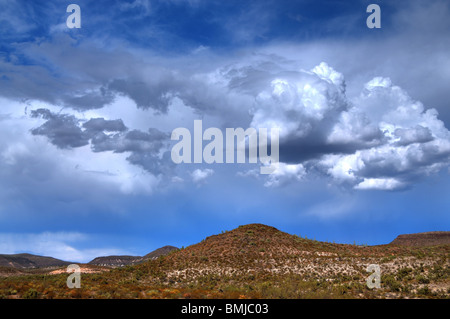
(115, 261)
(120, 261)
(216, 248)
(29, 261)
(423, 239)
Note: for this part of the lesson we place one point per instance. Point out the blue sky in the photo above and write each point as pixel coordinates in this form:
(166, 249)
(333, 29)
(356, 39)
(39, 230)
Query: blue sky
(86, 116)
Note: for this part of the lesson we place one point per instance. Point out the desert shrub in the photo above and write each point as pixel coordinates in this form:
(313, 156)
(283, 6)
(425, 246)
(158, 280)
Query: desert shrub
(421, 279)
(407, 288)
(387, 259)
(391, 282)
(438, 272)
(31, 294)
(419, 254)
(403, 273)
(424, 291)
(138, 274)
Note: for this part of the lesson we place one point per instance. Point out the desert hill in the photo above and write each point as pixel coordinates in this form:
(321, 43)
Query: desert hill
(264, 261)
(263, 251)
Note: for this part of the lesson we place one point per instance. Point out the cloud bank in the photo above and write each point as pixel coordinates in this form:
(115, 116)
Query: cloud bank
(380, 139)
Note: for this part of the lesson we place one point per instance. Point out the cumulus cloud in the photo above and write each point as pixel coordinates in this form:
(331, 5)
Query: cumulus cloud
(380, 184)
(285, 174)
(299, 101)
(382, 139)
(415, 142)
(200, 175)
(379, 138)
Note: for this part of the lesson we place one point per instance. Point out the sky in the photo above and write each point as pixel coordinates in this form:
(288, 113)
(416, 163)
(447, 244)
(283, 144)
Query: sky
(87, 115)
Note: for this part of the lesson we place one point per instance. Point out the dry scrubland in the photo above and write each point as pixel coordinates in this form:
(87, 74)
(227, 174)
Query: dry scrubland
(252, 261)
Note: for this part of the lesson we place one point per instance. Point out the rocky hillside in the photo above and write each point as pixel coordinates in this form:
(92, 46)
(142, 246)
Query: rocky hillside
(423, 239)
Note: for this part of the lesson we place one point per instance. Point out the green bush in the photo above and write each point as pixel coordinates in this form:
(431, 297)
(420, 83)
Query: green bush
(31, 294)
(391, 282)
(422, 279)
(402, 273)
(424, 291)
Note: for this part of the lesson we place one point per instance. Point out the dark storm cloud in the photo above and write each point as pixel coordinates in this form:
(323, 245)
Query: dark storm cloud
(100, 125)
(144, 94)
(61, 129)
(144, 148)
(89, 101)
(153, 163)
(130, 141)
(66, 131)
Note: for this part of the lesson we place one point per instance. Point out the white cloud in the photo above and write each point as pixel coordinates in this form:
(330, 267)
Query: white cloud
(298, 101)
(284, 174)
(144, 6)
(200, 175)
(381, 139)
(380, 184)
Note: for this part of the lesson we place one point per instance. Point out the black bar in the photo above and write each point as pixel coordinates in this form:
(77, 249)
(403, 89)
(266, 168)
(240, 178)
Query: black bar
(256, 308)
